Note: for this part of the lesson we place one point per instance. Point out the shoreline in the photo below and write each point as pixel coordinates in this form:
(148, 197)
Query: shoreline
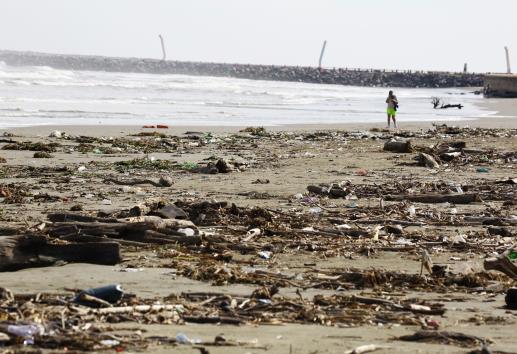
(505, 117)
(115, 130)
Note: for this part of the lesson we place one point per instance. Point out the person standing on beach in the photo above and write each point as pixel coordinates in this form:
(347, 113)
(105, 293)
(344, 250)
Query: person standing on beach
(393, 104)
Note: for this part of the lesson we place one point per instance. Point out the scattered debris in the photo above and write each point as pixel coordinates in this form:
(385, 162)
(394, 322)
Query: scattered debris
(443, 337)
(50, 147)
(327, 235)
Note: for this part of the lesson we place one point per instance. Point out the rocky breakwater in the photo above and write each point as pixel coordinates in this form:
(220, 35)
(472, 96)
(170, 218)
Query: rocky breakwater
(353, 77)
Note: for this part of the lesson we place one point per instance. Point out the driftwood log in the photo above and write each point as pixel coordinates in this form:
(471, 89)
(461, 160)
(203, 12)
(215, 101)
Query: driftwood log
(137, 230)
(438, 104)
(398, 146)
(164, 181)
(445, 106)
(68, 217)
(444, 337)
(93, 239)
(436, 198)
(487, 220)
(25, 251)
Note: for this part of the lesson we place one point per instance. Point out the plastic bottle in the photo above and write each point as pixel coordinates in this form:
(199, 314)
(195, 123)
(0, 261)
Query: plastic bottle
(265, 254)
(181, 338)
(315, 210)
(109, 342)
(27, 332)
(109, 293)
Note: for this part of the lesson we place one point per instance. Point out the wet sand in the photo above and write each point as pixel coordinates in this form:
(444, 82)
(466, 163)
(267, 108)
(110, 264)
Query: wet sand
(505, 117)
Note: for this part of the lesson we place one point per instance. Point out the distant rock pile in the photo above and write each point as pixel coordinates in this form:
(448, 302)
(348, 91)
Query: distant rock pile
(353, 77)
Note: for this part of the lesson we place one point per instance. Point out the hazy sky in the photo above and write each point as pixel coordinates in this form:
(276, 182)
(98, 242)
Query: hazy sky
(402, 34)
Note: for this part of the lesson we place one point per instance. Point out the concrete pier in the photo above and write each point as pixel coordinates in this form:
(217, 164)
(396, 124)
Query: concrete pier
(501, 85)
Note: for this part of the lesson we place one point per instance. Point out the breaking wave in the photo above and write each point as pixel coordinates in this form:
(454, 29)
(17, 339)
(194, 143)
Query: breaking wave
(43, 95)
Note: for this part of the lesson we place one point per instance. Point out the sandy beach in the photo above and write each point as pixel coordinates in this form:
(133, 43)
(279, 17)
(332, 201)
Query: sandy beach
(310, 253)
(258, 177)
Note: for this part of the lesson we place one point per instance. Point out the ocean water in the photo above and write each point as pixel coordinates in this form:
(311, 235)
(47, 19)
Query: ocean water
(43, 96)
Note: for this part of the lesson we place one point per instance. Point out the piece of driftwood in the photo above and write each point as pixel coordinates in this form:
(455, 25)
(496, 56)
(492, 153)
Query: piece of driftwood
(106, 253)
(161, 224)
(436, 198)
(445, 106)
(67, 217)
(8, 231)
(163, 181)
(329, 232)
(90, 238)
(147, 229)
(487, 220)
(398, 146)
(503, 264)
(8, 141)
(390, 221)
(92, 300)
(428, 161)
(438, 104)
(367, 348)
(444, 337)
(213, 320)
(26, 251)
(137, 308)
(180, 238)
(426, 262)
(399, 307)
(18, 252)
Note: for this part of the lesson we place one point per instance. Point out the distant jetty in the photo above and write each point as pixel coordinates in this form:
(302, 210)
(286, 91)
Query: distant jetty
(341, 76)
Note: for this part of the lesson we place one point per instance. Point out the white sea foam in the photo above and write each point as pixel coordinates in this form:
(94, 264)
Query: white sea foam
(42, 95)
